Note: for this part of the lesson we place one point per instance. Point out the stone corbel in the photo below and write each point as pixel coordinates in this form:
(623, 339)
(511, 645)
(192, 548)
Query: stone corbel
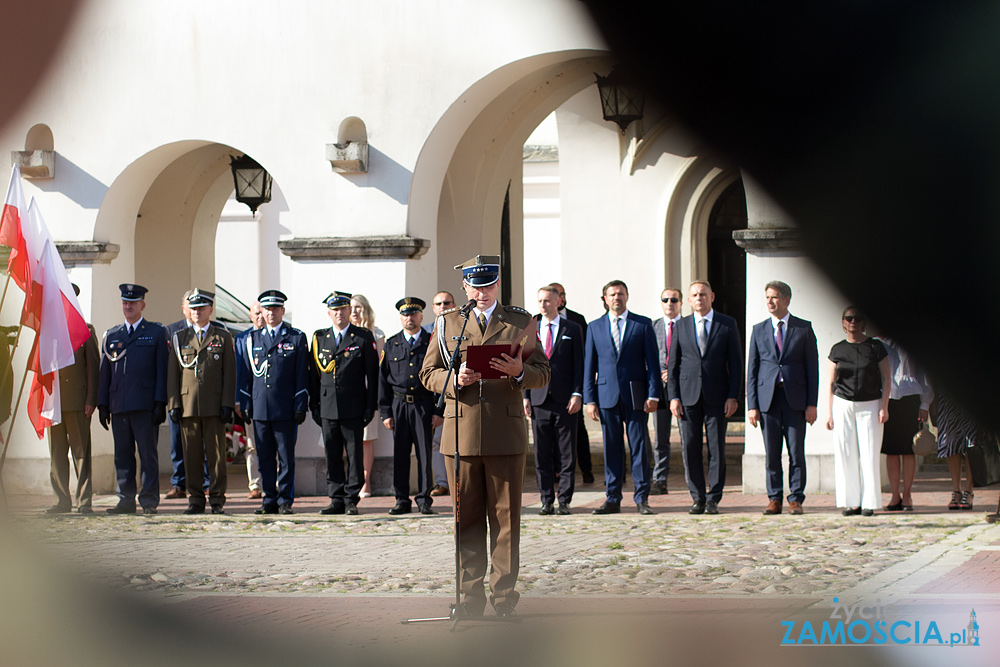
(768, 239)
(327, 248)
(82, 253)
(35, 164)
(348, 158)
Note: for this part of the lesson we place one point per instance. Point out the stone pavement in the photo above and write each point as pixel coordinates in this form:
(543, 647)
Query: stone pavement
(311, 589)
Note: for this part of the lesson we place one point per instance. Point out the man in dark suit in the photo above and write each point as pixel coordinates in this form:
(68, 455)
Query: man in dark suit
(408, 406)
(275, 395)
(670, 300)
(78, 399)
(703, 385)
(201, 390)
(132, 399)
(553, 408)
(343, 398)
(582, 439)
(782, 391)
(243, 379)
(621, 378)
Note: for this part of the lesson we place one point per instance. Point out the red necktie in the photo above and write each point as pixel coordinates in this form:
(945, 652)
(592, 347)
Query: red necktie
(670, 337)
(548, 340)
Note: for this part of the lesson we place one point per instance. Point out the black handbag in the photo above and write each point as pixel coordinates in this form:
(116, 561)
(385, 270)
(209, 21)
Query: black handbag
(984, 461)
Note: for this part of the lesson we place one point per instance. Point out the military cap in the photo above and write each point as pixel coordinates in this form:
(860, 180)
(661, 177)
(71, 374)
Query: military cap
(337, 300)
(272, 298)
(410, 304)
(199, 298)
(481, 270)
(132, 292)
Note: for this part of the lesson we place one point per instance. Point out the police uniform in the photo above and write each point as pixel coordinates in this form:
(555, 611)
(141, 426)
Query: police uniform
(411, 406)
(77, 390)
(201, 390)
(133, 393)
(343, 398)
(275, 396)
(492, 443)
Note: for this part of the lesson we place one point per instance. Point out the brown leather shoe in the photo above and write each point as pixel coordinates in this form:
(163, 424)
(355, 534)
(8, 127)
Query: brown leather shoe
(795, 507)
(773, 507)
(174, 493)
(439, 490)
(255, 494)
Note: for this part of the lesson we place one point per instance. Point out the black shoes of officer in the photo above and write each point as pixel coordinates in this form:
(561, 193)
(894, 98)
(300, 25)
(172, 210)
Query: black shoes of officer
(644, 509)
(400, 508)
(149, 511)
(58, 509)
(588, 478)
(85, 509)
(121, 509)
(563, 509)
(194, 509)
(285, 509)
(658, 489)
(266, 509)
(351, 509)
(546, 510)
(425, 508)
(505, 610)
(697, 508)
(332, 508)
(609, 508)
(217, 509)
(711, 507)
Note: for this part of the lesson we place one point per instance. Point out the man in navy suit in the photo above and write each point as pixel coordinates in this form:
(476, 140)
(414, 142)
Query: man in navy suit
(582, 439)
(621, 379)
(553, 408)
(703, 385)
(132, 398)
(782, 390)
(275, 395)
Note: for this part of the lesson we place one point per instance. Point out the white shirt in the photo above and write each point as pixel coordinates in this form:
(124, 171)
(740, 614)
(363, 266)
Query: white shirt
(623, 320)
(411, 338)
(774, 325)
(488, 312)
(708, 322)
(135, 326)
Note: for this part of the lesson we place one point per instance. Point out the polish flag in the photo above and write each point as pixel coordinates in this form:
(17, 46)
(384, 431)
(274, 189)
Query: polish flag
(14, 216)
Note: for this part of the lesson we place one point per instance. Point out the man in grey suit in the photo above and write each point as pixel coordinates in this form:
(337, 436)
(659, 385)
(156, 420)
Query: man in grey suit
(703, 384)
(663, 329)
(782, 389)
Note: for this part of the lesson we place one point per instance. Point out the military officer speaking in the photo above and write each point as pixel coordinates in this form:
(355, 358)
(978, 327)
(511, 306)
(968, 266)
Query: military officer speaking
(275, 395)
(132, 398)
(343, 397)
(492, 433)
(410, 407)
(201, 393)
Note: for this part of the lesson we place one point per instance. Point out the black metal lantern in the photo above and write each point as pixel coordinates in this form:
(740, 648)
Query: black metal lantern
(253, 183)
(621, 100)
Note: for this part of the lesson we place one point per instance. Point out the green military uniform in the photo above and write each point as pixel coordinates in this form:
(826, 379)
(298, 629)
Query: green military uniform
(77, 391)
(201, 383)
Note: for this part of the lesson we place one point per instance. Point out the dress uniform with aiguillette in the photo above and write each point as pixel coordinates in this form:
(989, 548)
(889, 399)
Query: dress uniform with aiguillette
(492, 439)
(402, 397)
(343, 397)
(201, 390)
(275, 397)
(132, 393)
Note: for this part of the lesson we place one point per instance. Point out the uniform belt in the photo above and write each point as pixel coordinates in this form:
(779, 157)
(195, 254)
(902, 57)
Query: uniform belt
(410, 398)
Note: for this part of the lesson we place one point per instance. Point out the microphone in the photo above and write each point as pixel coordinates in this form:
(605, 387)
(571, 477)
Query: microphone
(467, 308)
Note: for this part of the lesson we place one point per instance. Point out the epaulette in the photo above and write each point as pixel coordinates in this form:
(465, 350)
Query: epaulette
(451, 310)
(517, 309)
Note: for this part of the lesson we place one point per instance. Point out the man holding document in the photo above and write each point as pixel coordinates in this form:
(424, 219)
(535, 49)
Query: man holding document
(621, 384)
(490, 426)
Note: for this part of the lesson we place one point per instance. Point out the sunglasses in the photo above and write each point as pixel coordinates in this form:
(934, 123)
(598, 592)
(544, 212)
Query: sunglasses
(443, 303)
(670, 299)
(853, 318)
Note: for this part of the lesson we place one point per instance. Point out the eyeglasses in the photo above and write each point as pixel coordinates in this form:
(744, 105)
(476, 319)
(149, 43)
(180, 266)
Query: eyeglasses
(443, 303)
(670, 299)
(853, 318)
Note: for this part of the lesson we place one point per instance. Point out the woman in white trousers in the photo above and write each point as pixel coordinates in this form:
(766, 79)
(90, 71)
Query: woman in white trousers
(860, 380)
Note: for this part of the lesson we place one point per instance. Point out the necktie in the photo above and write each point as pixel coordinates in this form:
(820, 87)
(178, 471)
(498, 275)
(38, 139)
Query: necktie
(670, 337)
(201, 335)
(702, 336)
(482, 322)
(616, 335)
(780, 337)
(548, 340)
(337, 338)
(130, 330)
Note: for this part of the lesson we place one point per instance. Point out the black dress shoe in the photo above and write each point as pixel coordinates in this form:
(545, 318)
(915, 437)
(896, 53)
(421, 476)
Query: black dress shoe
(194, 509)
(266, 509)
(58, 509)
(400, 508)
(217, 509)
(351, 509)
(85, 509)
(547, 510)
(658, 489)
(711, 507)
(867, 512)
(505, 610)
(609, 508)
(332, 508)
(851, 511)
(285, 509)
(563, 509)
(697, 508)
(644, 508)
(425, 508)
(149, 511)
(121, 509)
(588, 478)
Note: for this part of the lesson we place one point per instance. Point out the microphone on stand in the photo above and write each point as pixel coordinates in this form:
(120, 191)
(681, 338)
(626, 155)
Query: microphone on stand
(467, 308)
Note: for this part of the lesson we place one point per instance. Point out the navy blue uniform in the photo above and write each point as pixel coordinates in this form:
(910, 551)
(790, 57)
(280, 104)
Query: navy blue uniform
(133, 380)
(274, 391)
(411, 406)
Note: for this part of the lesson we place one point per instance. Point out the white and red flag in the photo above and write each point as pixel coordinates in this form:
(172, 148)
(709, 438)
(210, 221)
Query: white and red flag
(14, 215)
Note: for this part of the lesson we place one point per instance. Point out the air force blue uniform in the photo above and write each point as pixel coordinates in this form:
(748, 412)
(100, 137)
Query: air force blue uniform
(133, 380)
(274, 394)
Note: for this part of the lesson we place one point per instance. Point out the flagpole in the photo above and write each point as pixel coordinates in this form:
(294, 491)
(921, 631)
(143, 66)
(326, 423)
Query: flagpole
(13, 414)
(10, 368)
